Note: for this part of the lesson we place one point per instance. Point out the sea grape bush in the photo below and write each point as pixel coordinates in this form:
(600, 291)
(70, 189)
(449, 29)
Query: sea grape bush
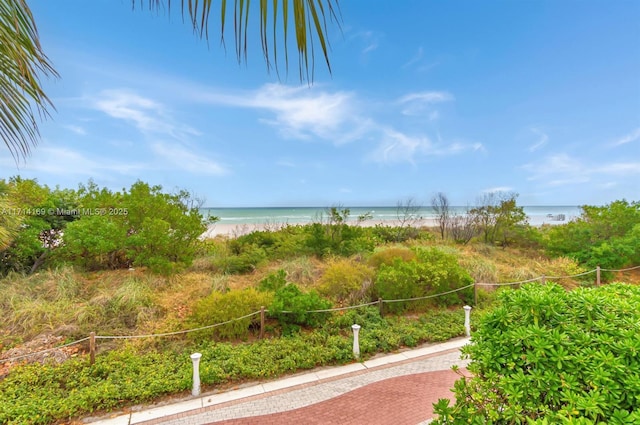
(431, 272)
(545, 355)
(606, 236)
(297, 304)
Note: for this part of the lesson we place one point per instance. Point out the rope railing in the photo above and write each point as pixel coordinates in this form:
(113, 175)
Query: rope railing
(176, 332)
(429, 296)
(329, 310)
(574, 275)
(621, 270)
(24, 356)
(510, 283)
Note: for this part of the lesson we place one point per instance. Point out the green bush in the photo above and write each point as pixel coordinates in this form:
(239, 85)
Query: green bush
(219, 308)
(550, 356)
(607, 236)
(273, 281)
(142, 227)
(386, 256)
(244, 262)
(432, 272)
(46, 394)
(347, 282)
(296, 304)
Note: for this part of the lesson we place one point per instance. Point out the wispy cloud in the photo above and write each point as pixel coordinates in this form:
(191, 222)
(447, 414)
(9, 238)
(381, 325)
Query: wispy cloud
(542, 140)
(65, 162)
(562, 169)
(419, 62)
(417, 57)
(183, 159)
(147, 115)
(421, 103)
(370, 39)
(299, 112)
(427, 97)
(498, 189)
(628, 138)
(340, 117)
(76, 129)
(397, 146)
(286, 163)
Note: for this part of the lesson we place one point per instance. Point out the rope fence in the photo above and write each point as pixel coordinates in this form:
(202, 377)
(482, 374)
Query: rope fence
(93, 337)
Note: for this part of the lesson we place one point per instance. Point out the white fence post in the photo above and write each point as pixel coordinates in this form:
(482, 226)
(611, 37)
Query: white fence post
(356, 341)
(467, 319)
(195, 359)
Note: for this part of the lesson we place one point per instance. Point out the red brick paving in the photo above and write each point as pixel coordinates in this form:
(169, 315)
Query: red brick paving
(398, 401)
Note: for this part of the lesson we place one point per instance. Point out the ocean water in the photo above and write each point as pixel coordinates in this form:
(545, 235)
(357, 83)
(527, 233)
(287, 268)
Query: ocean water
(537, 215)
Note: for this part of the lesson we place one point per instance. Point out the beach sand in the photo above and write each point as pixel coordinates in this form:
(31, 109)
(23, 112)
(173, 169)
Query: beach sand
(235, 230)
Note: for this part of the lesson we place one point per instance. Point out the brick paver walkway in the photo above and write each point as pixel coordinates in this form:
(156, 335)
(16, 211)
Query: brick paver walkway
(401, 393)
(398, 401)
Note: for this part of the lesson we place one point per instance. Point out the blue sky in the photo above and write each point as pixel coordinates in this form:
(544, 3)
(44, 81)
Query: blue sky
(537, 97)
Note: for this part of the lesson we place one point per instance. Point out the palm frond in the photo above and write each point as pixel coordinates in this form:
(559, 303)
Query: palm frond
(309, 19)
(22, 62)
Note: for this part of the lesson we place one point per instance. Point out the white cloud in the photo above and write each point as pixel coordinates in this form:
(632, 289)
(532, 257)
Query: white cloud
(542, 140)
(396, 146)
(498, 189)
(371, 40)
(76, 129)
(286, 163)
(147, 115)
(370, 48)
(339, 117)
(299, 112)
(619, 168)
(421, 103)
(628, 138)
(419, 63)
(186, 160)
(427, 97)
(562, 170)
(417, 57)
(64, 161)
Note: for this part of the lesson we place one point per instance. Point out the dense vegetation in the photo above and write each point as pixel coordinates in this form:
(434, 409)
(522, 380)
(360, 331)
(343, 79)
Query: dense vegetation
(131, 262)
(545, 355)
(98, 229)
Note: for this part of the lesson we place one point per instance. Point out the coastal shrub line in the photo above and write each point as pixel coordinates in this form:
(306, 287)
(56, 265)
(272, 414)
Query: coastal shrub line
(42, 394)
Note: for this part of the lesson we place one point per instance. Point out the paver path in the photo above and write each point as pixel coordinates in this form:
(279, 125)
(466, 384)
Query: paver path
(393, 394)
(398, 401)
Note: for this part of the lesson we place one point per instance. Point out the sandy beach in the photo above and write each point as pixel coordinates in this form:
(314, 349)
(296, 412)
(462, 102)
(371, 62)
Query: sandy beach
(235, 230)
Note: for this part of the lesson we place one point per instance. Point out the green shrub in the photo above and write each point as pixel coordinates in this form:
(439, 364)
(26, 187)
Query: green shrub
(273, 281)
(296, 304)
(219, 308)
(245, 262)
(45, 394)
(606, 236)
(347, 281)
(550, 356)
(432, 272)
(386, 256)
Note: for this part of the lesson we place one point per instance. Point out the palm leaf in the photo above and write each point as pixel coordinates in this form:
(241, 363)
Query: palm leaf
(309, 19)
(22, 61)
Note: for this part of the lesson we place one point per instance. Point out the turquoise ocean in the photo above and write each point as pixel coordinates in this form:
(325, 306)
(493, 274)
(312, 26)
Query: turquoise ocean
(537, 215)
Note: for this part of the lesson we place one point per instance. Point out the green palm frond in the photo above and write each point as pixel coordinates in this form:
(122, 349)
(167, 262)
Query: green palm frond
(22, 61)
(309, 19)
